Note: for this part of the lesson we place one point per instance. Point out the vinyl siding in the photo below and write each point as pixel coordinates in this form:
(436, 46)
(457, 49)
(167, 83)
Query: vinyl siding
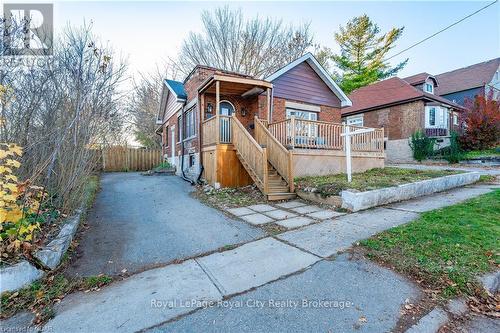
(303, 84)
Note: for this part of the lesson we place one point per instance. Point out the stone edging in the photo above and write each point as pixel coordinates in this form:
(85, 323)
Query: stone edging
(355, 201)
(16, 276)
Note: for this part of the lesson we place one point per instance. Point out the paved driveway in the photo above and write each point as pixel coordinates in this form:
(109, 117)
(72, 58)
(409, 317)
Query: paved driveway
(139, 221)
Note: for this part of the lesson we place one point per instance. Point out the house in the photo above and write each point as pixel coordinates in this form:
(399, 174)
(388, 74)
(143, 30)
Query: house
(401, 107)
(465, 83)
(233, 130)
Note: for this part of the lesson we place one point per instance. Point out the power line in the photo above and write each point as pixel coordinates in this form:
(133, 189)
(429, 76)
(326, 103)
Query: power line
(444, 29)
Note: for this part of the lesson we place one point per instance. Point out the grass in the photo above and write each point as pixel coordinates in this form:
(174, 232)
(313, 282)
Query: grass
(231, 197)
(493, 152)
(40, 296)
(445, 249)
(369, 180)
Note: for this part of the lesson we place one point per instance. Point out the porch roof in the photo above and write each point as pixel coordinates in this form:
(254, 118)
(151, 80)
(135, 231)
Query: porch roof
(232, 85)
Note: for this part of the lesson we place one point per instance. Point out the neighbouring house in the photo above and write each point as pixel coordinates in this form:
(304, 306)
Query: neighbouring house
(401, 107)
(466, 83)
(233, 130)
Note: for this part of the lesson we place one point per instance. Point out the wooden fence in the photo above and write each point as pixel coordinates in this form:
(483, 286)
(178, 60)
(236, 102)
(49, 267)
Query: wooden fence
(119, 158)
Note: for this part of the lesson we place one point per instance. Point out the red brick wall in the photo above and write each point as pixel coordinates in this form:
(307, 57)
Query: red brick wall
(327, 113)
(399, 121)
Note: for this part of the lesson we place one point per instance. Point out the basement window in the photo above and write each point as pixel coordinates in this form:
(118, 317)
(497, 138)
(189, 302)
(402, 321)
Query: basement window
(192, 160)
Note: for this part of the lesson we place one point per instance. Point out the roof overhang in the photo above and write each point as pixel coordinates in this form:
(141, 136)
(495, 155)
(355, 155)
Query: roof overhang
(179, 99)
(322, 73)
(234, 85)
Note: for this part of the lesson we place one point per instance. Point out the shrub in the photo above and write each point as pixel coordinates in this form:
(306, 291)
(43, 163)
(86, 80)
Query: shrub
(18, 204)
(421, 145)
(453, 153)
(481, 123)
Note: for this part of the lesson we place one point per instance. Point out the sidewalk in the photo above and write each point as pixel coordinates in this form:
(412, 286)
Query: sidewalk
(161, 295)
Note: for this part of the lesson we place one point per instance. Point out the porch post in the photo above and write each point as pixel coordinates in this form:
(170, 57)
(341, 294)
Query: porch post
(217, 118)
(268, 100)
(292, 131)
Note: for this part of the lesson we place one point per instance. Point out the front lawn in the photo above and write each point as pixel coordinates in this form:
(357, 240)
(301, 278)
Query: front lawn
(444, 249)
(493, 152)
(369, 180)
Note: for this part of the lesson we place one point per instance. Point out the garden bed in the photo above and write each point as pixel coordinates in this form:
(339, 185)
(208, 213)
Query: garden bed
(333, 185)
(229, 197)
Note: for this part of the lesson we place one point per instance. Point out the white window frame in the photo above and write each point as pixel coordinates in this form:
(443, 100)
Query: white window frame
(309, 130)
(357, 120)
(427, 85)
(455, 119)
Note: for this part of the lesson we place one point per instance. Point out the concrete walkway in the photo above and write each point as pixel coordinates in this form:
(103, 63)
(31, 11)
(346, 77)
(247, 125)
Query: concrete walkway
(139, 221)
(288, 268)
(484, 171)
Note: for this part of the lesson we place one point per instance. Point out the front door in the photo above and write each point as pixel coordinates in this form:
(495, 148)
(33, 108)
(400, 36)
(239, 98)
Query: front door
(173, 144)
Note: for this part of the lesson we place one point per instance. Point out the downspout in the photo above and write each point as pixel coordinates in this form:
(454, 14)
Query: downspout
(183, 175)
(200, 111)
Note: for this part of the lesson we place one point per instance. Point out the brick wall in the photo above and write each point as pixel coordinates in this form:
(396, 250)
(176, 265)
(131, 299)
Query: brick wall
(327, 113)
(399, 122)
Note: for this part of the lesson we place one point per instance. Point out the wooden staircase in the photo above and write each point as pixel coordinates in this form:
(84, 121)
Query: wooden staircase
(254, 158)
(278, 188)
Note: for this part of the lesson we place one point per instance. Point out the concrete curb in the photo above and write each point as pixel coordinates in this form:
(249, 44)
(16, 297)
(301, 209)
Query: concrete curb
(356, 201)
(16, 276)
(491, 282)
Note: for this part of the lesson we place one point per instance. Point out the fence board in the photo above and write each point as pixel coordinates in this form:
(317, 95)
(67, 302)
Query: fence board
(118, 158)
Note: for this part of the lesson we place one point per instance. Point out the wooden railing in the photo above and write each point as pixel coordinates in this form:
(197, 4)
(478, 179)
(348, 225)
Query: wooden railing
(253, 155)
(367, 142)
(312, 134)
(278, 155)
(209, 130)
(225, 129)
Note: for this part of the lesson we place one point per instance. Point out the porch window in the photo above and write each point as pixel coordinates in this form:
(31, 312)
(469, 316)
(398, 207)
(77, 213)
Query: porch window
(300, 114)
(190, 124)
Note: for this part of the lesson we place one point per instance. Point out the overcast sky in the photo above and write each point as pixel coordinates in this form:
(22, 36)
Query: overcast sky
(147, 32)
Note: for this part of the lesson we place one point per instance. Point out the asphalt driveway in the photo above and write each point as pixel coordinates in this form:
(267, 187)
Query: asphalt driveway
(141, 221)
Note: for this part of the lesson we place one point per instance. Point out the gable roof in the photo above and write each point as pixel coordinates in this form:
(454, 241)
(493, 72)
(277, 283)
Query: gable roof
(470, 77)
(177, 88)
(420, 78)
(392, 91)
(320, 71)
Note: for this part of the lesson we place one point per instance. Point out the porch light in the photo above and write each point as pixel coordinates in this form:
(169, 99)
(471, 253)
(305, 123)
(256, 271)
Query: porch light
(243, 112)
(210, 108)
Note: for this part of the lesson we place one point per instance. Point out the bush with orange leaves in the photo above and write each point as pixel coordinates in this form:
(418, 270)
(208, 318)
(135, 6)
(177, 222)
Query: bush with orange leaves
(482, 123)
(19, 201)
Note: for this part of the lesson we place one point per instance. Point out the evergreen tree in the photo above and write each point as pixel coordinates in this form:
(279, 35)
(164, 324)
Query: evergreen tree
(362, 52)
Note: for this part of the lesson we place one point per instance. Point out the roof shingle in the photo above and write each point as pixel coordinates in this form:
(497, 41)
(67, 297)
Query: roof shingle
(390, 91)
(468, 77)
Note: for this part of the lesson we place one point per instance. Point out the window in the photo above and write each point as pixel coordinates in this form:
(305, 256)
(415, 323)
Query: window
(432, 116)
(190, 123)
(165, 136)
(226, 108)
(300, 114)
(179, 128)
(355, 120)
(428, 87)
(455, 119)
(191, 160)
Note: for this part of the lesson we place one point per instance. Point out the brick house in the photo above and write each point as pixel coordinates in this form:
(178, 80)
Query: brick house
(233, 130)
(401, 107)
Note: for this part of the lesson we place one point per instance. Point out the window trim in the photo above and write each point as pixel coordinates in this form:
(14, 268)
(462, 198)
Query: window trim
(228, 102)
(288, 110)
(193, 112)
(432, 120)
(357, 116)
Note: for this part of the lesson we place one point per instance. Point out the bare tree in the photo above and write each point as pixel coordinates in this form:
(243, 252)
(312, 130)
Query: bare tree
(61, 111)
(256, 47)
